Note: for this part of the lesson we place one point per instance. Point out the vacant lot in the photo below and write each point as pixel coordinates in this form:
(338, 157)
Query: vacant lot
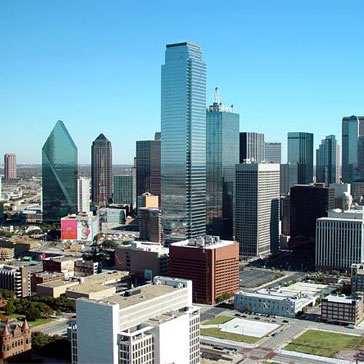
(215, 332)
(325, 343)
(218, 320)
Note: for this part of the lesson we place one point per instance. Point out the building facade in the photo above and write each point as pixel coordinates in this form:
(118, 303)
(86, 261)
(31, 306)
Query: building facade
(59, 175)
(212, 266)
(300, 153)
(16, 279)
(101, 170)
(150, 225)
(273, 152)
(326, 161)
(9, 167)
(83, 194)
(222, 153)
(256, 222)
(183, 145)
(252, 148)
(123, 189)
(357, 278)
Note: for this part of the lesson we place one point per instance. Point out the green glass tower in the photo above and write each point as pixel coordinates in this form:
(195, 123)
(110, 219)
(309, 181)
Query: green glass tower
(59, 174)
(123, 189)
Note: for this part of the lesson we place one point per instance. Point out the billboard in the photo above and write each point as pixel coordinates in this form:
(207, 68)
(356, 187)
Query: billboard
(68, 229)
(84, 230)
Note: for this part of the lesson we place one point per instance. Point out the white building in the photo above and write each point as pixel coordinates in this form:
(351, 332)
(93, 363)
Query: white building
(152, 324)
(339, 239)
(256, 220)
(83, 194)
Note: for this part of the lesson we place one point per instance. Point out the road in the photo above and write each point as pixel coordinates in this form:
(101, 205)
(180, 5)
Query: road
(53, 328)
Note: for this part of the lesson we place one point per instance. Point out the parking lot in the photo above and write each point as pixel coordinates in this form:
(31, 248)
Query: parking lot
(251, 278)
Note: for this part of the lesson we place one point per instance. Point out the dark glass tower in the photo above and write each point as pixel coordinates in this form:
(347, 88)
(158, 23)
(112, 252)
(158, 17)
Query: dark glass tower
(148, 166)
(300, 153)
(183, 145)
(59, 174)
(326, 158)
(252, 147)
(101, 170)
(222, 153)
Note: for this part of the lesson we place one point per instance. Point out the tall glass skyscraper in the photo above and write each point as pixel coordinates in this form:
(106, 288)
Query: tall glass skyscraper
(300, 153)
(252, 147)
(59, 174)
(183, 146)
(222, 153)
(352, 132)
(326, 157)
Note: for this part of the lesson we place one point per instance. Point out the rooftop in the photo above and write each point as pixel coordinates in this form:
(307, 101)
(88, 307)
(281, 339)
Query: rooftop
(342, 299)
(208, 242)
(146, 246)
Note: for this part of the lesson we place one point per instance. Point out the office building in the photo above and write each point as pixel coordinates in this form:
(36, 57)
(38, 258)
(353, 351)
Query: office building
(148, 166)
(44, 277)
(343, 198)
(123, 189)
(144, 259)
(342, 310)
(273, 152)
(222, 153)
(288, 177)
(183, 145)
(16, 279)
(59, 175)
(84, 268)
(83, 194)
(256, 222)
(352, 130)
(300, 153)
(101, 170)
(65, 265)
(146, 199)
(252, 148)
(150, 225)
(10, 166)
(357, 278)
(210, 263)
(326, 161)
(151, 324)
(339, 240)
(307, 204)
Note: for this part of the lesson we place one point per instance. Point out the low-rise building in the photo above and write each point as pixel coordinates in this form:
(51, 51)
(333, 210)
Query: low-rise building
(55, 289)
(65, 265)
(80, 228)
(342, 309)
(357, 278)
(85, 268)
(6, 254)
(44, 277)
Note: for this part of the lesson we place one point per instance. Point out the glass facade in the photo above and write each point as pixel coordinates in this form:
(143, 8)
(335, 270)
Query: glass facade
(222, 153)
(273, 152)
(326, 168)
(123, 189)
(300, 153)
(59, 175)
(183, 144)
(252, 147)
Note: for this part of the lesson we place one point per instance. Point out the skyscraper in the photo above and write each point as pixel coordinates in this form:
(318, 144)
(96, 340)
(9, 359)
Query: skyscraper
(300, 153)
(123, 189)
(101, 170)
(273, 153)
(148, 166)
(222, 153)
(59, 175)
(326, 167)
(352, 130)
(256, 222)
(83, 194)
(252, 147)
(10, 166)
(183, 145)
(150, 224)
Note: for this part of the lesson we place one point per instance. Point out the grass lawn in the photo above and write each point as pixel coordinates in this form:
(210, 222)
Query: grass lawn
(218, 320)
(31, 323)
(324, 343)
(215, 332)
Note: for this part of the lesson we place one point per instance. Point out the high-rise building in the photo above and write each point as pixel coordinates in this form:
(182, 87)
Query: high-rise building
(212, 266)
(148, 166)
(273, 153)
(252, 148)
(183, 145)
(222, 153)
(83, 194)
(101, 170)
(10, 166)
(151, 324)
(326, 159)
(307, 204)
(288, 177)
(300, 153)
(16, 279)
(59, 175)
(123, 189)
(150, 224)
(256, 222)
(339, 240)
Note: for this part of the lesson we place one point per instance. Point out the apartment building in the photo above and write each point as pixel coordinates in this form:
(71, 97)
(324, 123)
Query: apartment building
(16, 279)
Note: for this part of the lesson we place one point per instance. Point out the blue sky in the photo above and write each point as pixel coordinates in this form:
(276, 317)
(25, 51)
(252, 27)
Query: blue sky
(285, 65)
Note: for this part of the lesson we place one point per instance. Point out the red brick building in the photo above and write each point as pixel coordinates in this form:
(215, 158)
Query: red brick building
(212, 266)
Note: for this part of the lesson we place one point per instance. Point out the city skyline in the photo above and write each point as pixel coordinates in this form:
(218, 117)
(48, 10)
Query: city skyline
(257, 71)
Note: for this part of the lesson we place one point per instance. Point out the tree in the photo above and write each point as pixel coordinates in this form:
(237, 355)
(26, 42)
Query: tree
(33, 313)
(10, 307)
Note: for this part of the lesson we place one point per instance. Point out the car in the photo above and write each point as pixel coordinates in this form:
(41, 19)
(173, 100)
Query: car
(256, 318)
(285, 321)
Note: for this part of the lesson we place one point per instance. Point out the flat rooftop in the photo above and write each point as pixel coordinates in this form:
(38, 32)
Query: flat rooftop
(342, 299)
(56, 284)
(146, 246)
(208, 242)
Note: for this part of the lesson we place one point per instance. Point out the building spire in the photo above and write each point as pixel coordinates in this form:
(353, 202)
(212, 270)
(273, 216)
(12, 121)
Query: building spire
(217, 96)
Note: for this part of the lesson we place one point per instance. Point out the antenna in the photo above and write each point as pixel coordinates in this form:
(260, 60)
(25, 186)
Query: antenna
(217, 96)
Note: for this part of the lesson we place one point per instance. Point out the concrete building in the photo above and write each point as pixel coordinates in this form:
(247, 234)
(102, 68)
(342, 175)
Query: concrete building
(16, 279)
(357, 278)
(256, 221)
(252, 148)
(81, 228)
(339, 240)
(342, 309)
(144, 259)
(273, 152)
(55, 288)
(210, 263)
(150, 225)
(83, 194)
(149, 200)
(84, 268)
(7, 254)
(10, 166)
(152, 324)
(342, 195)
(65, 265)
(44, 277)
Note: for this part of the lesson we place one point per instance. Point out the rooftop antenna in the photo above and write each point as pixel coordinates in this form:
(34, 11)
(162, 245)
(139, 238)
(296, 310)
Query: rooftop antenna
(217, 96)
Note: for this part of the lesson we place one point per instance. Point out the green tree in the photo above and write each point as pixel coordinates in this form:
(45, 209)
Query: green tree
(33, 313)
(10, 307)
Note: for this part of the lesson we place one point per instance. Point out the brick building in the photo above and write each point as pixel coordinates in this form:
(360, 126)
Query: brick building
(44, 277)
(212, 265)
